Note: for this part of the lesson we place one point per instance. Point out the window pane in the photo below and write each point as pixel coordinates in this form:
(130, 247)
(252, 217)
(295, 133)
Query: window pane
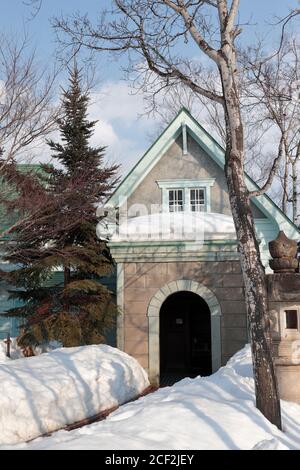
(197, 200)
(291, 318)
(176, 200)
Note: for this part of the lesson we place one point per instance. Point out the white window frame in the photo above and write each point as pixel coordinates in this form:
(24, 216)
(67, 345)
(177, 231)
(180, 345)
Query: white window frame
(186, 185)
(183, 199)
(199, 205)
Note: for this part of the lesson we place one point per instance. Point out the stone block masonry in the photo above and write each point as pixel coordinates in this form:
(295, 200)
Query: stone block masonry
(142, 281)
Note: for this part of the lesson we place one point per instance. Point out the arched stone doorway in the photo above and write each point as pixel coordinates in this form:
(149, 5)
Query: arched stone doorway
(185, 337)
(154, 322)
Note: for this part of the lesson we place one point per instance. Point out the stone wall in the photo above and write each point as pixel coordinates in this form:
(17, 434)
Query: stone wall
(284, 295)
(143, 280)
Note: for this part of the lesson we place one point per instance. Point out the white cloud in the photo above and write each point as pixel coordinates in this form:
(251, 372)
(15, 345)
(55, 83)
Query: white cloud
(120, 127)
(104, 134)
(115, 101)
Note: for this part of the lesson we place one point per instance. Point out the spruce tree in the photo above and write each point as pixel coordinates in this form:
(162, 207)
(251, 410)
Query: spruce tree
(57, 233)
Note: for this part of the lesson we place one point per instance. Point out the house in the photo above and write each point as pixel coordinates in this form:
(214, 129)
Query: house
(179, 283)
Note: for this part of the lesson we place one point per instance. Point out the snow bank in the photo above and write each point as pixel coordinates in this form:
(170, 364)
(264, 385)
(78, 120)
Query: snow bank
(193, 226)
(17, 353)
(272, 444)
(42, 394)
(216, 412)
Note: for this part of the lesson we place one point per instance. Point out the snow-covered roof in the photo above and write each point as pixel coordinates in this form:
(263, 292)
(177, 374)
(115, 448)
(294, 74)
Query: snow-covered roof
(193, 226)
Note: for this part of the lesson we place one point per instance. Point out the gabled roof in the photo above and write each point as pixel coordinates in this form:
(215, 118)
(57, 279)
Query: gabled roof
(213, 149)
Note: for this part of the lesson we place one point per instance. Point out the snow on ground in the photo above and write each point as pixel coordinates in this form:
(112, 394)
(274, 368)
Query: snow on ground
(217, 412)
(45, 393)
(17, 353)
(193, 226)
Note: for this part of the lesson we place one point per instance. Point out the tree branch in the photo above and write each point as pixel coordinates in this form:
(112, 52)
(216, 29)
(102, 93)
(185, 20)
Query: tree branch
(190, 25)
(232, 14)
(273, 171)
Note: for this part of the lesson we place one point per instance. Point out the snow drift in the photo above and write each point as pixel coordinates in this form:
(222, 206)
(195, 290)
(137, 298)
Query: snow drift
(216, 412)
(41, 394)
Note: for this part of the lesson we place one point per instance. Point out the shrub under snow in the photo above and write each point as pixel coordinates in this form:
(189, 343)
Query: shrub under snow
(44, 393)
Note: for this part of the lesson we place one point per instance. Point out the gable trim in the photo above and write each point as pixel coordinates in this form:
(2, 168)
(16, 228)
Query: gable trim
(214, 150)
(145, 164)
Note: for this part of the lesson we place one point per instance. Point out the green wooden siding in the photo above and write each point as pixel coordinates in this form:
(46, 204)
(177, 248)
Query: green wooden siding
(267, 230)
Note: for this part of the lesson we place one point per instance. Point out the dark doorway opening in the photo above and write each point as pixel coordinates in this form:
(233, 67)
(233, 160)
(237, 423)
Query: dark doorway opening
(185, 337)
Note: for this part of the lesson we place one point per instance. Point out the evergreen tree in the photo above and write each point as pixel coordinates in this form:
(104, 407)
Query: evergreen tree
(57, 232)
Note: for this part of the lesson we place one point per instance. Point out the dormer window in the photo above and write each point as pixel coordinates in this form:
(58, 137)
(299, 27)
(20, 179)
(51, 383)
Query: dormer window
(186, 195)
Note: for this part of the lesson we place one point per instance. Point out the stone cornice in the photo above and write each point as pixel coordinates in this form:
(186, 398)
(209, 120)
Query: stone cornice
(210, 250)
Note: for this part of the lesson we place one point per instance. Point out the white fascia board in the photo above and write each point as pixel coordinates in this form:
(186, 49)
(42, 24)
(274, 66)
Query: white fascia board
(185, 183)
(265, 204)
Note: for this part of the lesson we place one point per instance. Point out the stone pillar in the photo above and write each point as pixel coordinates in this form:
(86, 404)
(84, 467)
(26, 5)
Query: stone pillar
(284, 306)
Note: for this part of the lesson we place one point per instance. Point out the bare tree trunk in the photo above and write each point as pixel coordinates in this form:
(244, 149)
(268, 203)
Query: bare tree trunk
(285, 187)
(267, 396)
(294, 164)
(295, 192)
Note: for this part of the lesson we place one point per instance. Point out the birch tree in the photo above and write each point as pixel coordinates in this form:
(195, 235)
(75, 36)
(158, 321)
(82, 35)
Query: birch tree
(154, 35)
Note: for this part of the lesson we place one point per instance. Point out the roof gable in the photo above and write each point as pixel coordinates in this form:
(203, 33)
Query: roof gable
(213, 150)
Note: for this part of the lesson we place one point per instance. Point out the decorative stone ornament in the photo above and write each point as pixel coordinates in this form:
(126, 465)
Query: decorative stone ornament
(284, 254)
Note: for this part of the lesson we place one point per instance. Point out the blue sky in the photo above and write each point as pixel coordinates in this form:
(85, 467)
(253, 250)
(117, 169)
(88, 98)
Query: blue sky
(120, 126)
